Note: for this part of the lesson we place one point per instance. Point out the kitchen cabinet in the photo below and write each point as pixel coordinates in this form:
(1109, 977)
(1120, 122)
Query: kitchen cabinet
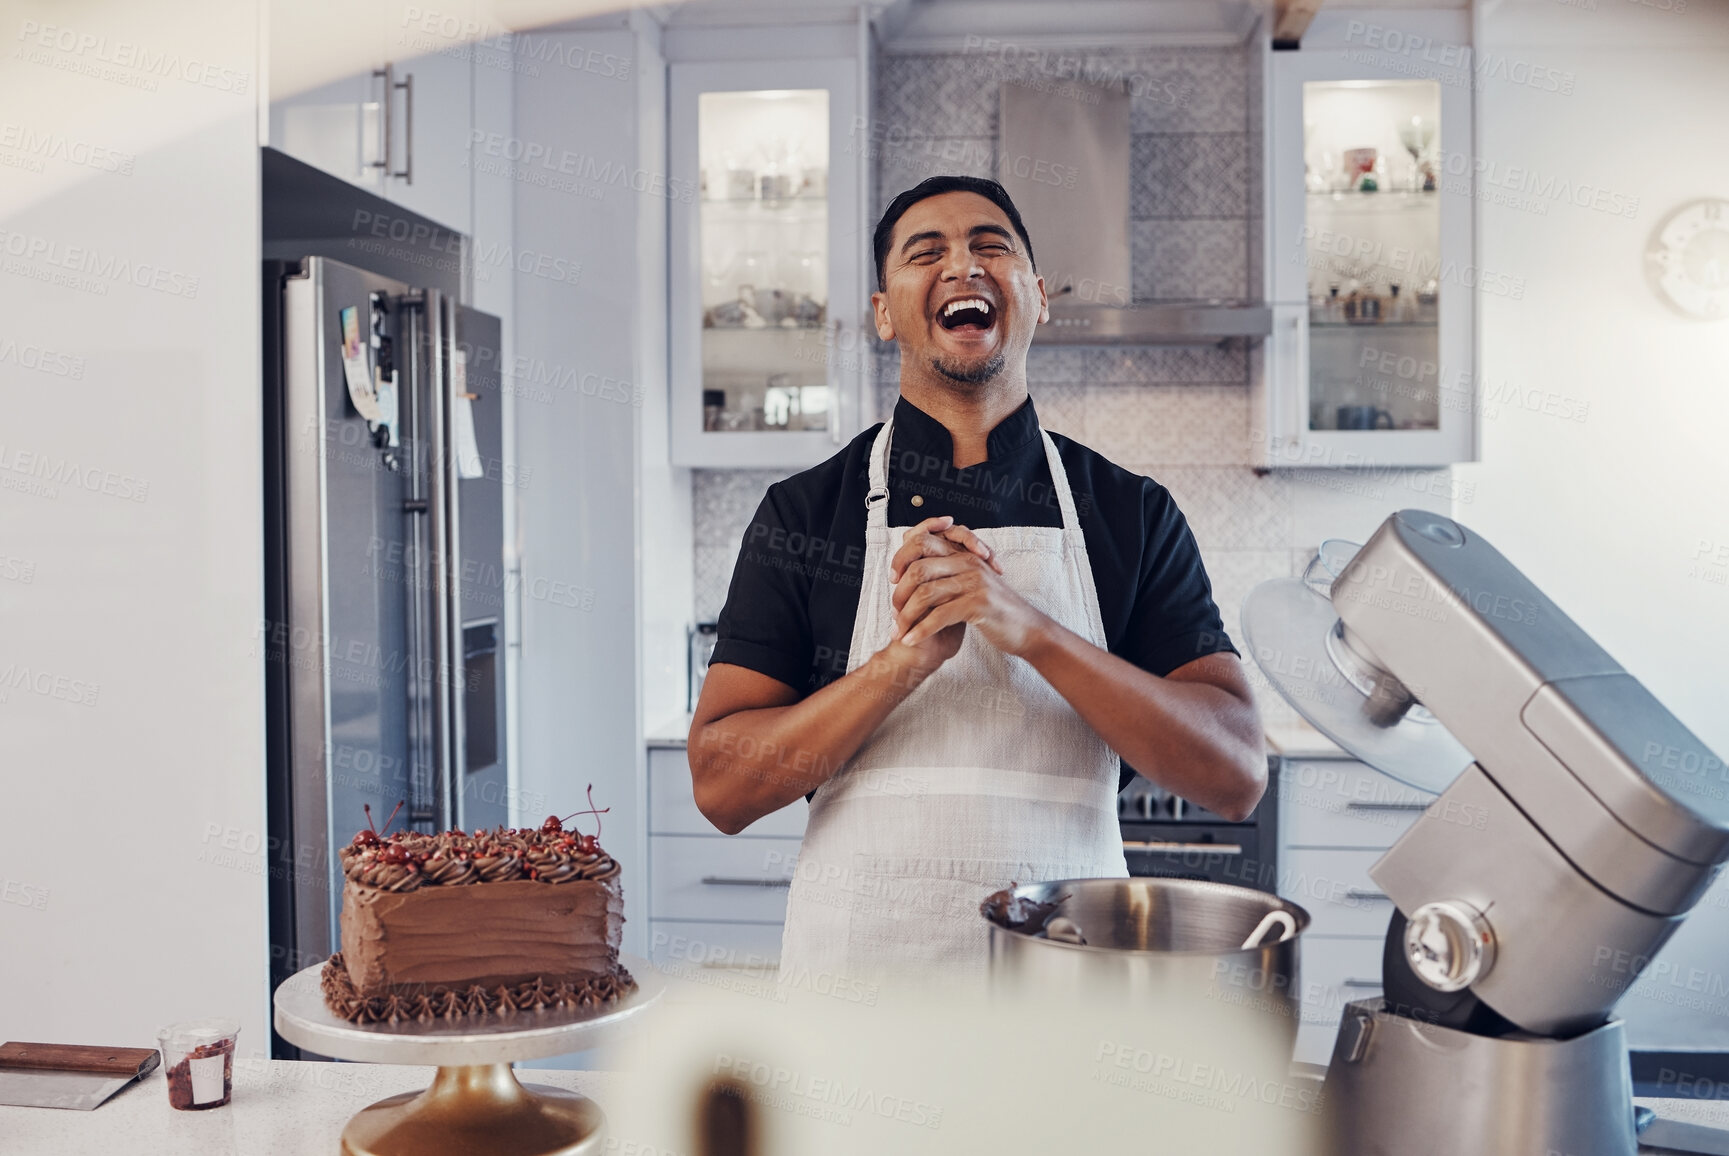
(1337, 817)
(433, 134)
(334, 127)
(714, 900)
(1371, 272)
(767, 297)
(404, 135)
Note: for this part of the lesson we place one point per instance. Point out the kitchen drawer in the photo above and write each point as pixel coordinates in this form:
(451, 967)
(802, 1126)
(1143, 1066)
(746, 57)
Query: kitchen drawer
(1341, 803)
(715, 878)
(1334, 886)
(679, 945)
(672, 803)
(1335, 972)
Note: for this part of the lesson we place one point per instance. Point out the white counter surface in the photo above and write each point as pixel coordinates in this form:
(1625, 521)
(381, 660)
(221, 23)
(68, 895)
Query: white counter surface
(280, 1108)
(671, 733)
(289, 1108)
(1297, 740)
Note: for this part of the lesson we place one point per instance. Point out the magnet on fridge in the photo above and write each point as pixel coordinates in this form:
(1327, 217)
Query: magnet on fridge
(388, 417)
(356, 366)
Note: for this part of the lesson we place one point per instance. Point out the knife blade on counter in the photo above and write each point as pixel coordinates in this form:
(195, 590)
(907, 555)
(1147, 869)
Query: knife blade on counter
(74, 1076)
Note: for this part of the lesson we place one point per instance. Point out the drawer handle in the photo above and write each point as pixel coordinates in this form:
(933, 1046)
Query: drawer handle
(1357, 806)
(1358, 893)
(1214, 848)
(727, 881)
(1372, 983)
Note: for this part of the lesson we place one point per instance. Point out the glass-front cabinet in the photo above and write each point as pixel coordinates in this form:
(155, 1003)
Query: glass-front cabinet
(1373, 278)
(767, 262)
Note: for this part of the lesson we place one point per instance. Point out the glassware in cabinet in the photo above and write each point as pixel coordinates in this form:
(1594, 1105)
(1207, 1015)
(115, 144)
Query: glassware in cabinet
(764, 279)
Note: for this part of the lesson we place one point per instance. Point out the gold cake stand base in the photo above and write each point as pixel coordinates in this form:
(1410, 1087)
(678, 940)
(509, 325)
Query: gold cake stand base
(475, 1104)
(480, 1108)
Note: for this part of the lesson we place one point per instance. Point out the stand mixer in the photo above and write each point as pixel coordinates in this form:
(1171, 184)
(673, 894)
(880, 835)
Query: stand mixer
(1577, 823)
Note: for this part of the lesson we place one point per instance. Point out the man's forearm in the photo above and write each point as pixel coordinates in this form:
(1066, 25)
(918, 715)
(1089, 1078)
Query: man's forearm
(1195, 739)
(752, 763)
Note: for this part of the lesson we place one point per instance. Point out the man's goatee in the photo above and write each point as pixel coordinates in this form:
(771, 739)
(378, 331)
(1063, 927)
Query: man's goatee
(976, 375)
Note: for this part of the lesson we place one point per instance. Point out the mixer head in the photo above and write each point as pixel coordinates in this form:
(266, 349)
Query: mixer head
(1332, 678)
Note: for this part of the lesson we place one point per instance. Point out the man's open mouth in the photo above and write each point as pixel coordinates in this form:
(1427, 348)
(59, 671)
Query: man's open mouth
(967, 313)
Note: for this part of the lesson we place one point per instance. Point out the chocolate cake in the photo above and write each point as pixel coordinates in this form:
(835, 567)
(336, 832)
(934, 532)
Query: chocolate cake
(458, 924)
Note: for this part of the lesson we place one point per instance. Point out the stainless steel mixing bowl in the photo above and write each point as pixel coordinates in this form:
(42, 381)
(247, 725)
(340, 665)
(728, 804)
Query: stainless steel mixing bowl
(1159, 938)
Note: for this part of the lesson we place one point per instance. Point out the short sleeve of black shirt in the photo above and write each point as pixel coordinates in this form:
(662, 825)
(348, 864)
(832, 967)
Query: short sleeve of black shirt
(794, 594)
(1154, 594)
(766, 624)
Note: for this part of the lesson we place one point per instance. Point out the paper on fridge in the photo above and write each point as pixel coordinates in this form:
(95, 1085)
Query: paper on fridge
(463, 441)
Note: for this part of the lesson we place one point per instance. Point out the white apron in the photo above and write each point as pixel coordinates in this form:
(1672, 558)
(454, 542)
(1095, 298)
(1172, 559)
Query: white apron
(983, 776)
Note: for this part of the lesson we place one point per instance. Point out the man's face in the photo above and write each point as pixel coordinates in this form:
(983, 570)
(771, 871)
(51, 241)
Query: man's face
(961, 296)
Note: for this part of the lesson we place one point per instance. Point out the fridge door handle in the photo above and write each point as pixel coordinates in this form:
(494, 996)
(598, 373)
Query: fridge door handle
(420, 400)
(456, 674)
(442, 553)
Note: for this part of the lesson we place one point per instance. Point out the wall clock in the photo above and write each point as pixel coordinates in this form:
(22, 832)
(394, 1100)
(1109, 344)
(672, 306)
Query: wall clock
(1687, 258)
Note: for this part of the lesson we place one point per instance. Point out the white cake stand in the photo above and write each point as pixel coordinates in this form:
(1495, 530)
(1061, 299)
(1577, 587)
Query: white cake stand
(475, 1103)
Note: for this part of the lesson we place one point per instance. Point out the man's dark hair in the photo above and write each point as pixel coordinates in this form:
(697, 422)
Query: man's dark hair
(936, 187)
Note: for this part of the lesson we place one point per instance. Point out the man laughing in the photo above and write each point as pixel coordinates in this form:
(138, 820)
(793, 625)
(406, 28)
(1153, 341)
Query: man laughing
(1018, 612)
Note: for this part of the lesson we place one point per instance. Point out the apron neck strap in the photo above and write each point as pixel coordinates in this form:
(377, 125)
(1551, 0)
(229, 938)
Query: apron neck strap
(877, 498)
(1060, 483)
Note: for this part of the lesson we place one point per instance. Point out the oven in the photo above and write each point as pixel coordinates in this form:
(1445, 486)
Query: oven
(1168, 836)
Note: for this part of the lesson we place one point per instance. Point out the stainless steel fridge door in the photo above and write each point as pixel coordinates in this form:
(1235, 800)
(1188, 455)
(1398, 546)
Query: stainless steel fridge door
(351, 567)
(385, 628)
(481, 491)
(462, 482)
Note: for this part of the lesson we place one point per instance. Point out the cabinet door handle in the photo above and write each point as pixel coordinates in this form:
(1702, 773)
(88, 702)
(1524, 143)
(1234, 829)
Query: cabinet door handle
(1414, 806)
(1372, 983)
(407, 173)
(727, 881)
(835, 385)
(1359, 893)
(748, 967)
(1212, 848)
(388, 75)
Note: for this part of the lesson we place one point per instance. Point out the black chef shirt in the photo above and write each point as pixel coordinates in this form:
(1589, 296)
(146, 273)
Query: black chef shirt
(789, 611)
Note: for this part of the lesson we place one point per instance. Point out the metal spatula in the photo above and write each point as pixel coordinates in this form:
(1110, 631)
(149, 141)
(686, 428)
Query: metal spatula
(68, 1075)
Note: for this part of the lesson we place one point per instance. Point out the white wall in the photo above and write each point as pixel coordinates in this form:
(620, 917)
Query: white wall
(667, 575)
(580, 376)
(1608, 514)
(493, 196)
(131, 723)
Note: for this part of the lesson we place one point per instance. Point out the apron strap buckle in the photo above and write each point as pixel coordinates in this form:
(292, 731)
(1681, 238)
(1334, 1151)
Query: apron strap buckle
(876, 496)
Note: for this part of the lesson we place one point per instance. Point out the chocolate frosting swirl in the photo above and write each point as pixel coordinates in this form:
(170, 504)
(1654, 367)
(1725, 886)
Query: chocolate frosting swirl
(388, 876)
(409, 860)
(448, 869)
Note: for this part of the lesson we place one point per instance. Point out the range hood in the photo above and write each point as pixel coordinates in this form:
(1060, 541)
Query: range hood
(1164, 323)
(1065, 160)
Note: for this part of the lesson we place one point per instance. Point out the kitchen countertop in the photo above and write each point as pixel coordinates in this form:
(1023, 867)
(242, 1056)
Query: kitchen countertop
(1296, 741)
(291, 1108)
(280, 1108)
(1302, 741)
(669, 734)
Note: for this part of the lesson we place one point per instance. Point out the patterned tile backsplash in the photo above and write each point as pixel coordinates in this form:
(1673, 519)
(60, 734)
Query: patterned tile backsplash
(1179, 415)
(1200, 175)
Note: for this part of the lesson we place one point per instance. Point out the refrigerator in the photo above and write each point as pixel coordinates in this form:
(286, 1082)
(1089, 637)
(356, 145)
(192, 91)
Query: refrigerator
(385, 579)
